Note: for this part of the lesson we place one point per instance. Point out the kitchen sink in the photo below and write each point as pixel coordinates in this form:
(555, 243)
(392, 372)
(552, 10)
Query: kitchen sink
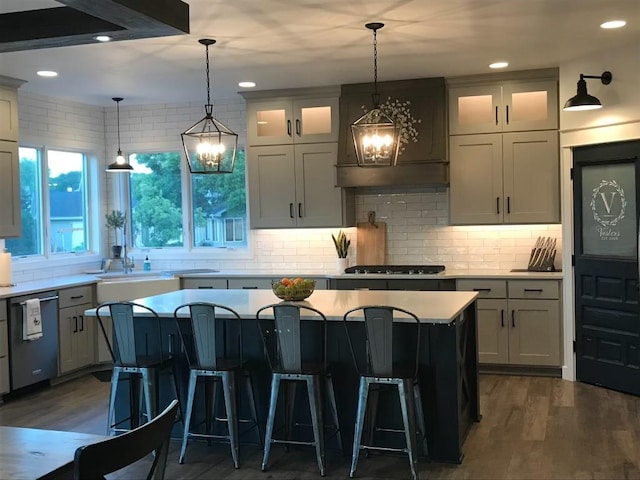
(121, 276)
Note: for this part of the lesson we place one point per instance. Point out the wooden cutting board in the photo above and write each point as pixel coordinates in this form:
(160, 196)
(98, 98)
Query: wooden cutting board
(371, 243)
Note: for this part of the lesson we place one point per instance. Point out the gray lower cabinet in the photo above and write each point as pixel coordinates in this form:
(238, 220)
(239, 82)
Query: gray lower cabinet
(243, 282)
(76, 334)
(392, 284)
(203, 282)
(518, 321)
(4, 349)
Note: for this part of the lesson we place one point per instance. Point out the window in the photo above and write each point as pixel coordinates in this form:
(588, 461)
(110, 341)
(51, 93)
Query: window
(218, 207)
(65, 203)
(156, 200)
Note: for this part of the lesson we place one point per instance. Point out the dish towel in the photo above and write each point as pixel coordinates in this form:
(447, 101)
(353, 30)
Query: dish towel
(31, 320)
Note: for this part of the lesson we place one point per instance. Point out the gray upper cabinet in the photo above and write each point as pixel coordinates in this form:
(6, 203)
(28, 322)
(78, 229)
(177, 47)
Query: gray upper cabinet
(510, 178)
(294, 186)
(292, 116)
(420, 105)
(510, 106)
(503, 149)
(10, 220)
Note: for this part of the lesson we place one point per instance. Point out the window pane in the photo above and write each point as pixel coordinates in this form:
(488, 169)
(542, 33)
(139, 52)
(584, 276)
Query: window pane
(156, 200)
(216, 199)
(67, 201)
(30, 241)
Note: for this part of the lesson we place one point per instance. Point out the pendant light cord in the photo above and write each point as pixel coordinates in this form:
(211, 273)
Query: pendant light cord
(118, 119)
(375, 62)
(208, 88)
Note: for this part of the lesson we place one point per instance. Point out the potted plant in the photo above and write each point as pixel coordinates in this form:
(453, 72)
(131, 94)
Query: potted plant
(115, 221)
(341, 242)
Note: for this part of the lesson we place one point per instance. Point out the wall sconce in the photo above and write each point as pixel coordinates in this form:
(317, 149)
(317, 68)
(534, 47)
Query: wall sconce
(121, 164)
(582, 100)
(210, 146)
(376, 136)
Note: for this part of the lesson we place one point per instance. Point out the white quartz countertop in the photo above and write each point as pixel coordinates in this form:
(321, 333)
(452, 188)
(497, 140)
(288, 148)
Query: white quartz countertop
(430, 307)
(26, 288)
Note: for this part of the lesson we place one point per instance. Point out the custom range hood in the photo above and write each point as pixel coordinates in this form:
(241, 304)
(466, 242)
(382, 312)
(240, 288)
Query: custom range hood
(78, 22)
(419, 106)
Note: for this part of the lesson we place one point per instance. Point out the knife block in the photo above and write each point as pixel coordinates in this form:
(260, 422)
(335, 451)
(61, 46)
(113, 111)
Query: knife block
(545, 265)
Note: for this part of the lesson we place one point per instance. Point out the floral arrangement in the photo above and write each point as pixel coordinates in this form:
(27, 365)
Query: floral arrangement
(400, 112)
(341, 243)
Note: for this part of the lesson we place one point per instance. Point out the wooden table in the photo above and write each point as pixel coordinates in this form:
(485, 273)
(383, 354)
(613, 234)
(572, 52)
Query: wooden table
(32, 453)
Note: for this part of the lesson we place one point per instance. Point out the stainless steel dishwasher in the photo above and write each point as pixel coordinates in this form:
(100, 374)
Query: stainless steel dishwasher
(37, 360)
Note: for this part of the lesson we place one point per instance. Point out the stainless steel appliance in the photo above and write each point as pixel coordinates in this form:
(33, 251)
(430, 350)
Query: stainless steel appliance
(36, 360)
(397, 269)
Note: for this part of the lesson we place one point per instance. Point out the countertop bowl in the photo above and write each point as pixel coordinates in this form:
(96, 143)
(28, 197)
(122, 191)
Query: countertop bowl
(293, 290)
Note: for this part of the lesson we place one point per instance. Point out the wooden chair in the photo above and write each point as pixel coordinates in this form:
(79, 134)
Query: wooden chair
(386, 362)
(93, 462)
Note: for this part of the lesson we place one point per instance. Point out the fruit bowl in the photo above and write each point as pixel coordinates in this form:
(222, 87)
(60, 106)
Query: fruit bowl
(293, 290)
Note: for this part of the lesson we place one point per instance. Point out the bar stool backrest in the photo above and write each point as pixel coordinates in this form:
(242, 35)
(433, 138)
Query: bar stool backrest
(282, 337)
(206, 336)
(383, 350)
(131, 347)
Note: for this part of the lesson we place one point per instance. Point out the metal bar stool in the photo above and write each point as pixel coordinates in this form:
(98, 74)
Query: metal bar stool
(382, 362)
(139, 353)
(291, 363)
(212, 341)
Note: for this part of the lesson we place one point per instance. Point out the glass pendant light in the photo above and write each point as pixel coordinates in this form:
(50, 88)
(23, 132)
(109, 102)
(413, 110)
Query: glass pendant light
(375, 135)
(121, 164)
(210, 146)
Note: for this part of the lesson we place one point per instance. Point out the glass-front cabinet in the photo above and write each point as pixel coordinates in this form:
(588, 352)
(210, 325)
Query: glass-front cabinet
(292, 120)
(504, 107)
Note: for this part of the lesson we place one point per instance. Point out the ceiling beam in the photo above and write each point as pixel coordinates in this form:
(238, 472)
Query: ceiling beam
(79, 21)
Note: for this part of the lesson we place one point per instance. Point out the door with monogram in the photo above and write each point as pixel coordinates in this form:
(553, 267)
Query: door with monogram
(607, 323)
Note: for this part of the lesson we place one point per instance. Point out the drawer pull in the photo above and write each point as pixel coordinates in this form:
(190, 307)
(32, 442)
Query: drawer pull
(249, 288)
(481, 289)
(539, 290)
(76, 297)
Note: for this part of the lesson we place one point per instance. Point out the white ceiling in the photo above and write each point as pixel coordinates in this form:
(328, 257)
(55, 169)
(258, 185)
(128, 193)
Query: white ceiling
(301, 43)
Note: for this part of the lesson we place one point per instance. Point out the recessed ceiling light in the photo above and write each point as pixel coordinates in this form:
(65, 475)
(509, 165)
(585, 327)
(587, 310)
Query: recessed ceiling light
(499, 65)
(47, 73)
(613, 24)
(103, 38)
(247, 84)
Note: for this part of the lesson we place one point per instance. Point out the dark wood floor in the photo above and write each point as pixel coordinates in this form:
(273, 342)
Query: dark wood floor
(532, 428)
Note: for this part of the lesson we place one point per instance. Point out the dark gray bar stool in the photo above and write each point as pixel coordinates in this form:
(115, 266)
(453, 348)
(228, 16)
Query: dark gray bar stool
(212, 341)
(140, 354)
(291, 363)
(386, 363)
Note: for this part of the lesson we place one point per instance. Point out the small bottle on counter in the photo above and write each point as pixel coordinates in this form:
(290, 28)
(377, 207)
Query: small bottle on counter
(146, 265)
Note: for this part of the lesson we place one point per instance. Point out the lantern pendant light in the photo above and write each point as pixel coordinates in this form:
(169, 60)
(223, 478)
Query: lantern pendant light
(209, 145)
(375, 135)
(121, 164)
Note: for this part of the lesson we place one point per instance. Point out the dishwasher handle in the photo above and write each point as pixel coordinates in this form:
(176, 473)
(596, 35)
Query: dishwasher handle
(45, 299)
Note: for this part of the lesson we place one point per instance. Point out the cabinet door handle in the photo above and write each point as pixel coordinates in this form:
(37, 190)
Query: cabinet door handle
(481, 289)
(507, 114)
(289, 127)
(539, 290)
(300, 210)
(250, 288)
(508, 204)
(75, 326)
(496, 115)
(502, 318)
(513, 318)
(498, 205)
(291, 210)
(76, 297)
(298, 126)
(81, 323)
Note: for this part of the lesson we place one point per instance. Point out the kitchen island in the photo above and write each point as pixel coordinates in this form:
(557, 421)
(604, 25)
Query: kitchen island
(448, 356)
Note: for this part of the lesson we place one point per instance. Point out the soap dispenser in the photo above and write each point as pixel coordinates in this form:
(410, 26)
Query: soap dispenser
(146, 266)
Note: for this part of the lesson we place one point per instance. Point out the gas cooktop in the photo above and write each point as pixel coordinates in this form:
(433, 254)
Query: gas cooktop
(397, 269)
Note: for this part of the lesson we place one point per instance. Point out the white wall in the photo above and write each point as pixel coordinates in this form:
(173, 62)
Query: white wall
(618, 120)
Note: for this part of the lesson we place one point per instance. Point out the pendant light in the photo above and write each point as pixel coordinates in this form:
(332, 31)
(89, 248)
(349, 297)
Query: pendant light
(121, 164)
(375, 135)
(209, 145)
(582, 100)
